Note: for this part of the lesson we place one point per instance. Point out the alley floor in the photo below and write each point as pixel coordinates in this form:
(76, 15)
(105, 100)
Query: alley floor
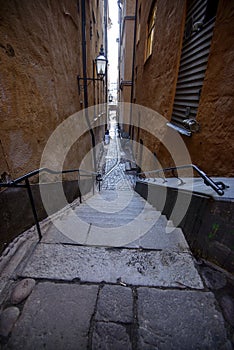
(108, 275)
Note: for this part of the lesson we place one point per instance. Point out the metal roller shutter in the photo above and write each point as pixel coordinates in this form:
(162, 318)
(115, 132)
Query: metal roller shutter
(194, 57)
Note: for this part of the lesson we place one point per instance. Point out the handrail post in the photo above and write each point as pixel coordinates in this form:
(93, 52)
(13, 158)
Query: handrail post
(33, 208)
(79, 186)
(98, 180)
(93, 184)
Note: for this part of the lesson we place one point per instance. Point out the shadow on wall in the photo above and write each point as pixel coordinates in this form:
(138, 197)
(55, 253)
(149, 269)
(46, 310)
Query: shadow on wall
(207, 225)
(16, 212)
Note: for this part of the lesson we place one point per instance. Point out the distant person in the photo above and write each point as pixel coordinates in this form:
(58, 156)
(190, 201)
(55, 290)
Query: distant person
(106, 137)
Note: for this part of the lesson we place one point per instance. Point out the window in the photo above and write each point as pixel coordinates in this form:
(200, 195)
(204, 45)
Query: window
(94, 18)
(139, 26)
(91, 30)
(150, 32)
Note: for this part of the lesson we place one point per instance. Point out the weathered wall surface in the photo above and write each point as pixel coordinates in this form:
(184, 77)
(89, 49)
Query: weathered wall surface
(156, 76)
(207, 225)
(40, 58)
(155, 84)
(126, 58)
(213, 146)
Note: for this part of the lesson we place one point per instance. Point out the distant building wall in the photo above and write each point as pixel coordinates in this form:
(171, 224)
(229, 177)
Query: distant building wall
(156, 80)
(126, 56)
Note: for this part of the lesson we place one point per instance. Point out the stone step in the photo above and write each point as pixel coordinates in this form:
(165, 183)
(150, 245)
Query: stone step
(118, 221)
(106, 220)
(158, 238)
(122, 214)
(89, 211)
(131, 266)
(116, 198)
(149, 234)
(116, 201)
(114, 208)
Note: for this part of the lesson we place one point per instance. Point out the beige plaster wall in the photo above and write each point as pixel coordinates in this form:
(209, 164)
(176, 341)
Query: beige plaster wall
(40, 58)
(155, 84)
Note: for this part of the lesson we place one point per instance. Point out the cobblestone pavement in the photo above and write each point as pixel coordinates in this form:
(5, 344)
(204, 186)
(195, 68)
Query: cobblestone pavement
(115, 177)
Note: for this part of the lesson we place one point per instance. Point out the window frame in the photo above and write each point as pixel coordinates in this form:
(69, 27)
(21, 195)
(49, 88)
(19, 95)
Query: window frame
(150, 31)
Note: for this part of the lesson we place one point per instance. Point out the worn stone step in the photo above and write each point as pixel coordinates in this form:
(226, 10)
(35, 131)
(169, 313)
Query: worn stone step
(131, 266)
(72, 229)
(150, 234)
(116, 199)
(113, 210)
(157, 238)
(131, 212)
(112, 194)
(118, 203)
(118, 221)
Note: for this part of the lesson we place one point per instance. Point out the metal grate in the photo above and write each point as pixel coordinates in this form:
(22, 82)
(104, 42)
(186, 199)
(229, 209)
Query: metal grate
(194, 57)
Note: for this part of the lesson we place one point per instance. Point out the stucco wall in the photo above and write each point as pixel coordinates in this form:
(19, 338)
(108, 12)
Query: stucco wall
(40, 58)
(126, 57)
(156, 76)
(213, 146)
(155, 84)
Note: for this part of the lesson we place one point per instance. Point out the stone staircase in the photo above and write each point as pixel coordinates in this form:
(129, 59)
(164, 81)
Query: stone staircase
(113, 273)
(118, 237)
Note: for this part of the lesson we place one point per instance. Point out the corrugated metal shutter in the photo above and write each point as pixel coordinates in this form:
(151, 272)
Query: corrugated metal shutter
(195, 51)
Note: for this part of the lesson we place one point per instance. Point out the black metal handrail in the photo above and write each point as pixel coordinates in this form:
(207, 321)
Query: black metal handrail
(25, 178)
(218, 187)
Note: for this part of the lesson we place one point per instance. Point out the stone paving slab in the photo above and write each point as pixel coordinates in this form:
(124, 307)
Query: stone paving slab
(114, 207)
(172, 319)
(134, 267)
(116, 220)
(116, 196)
(53, 235)
(110, 336)
(158, 238)
(105, 210)
(115, 304)
(118, 203)
(55, 316)
(155, 238)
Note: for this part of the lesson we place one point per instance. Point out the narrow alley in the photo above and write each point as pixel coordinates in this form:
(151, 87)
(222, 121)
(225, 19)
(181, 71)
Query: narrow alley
(117, 280)
(116, 175)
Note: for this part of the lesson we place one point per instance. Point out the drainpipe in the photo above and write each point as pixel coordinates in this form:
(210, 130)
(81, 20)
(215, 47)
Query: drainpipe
(105, 82)
(85, 87)
(133, 68)
(119, 55)
(106, 47)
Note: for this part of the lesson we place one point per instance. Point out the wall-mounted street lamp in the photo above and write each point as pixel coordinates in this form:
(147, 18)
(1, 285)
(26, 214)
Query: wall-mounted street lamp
(101, 63)
(110, 98)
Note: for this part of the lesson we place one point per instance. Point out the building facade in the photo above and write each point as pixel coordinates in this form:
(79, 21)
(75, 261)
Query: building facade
(126, 55)
(42, 52)
(184, 70)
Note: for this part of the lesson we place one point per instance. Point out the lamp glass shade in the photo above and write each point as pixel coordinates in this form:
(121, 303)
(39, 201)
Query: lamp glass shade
(101, 65)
